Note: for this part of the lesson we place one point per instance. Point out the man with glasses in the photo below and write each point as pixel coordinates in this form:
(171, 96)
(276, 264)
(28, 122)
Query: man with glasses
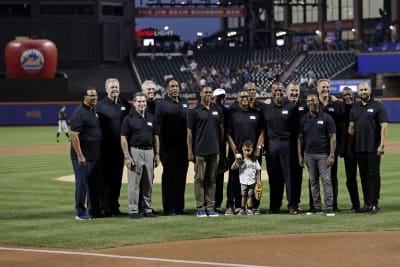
(111, 111)
(85, 153)
(350, 162)
(369, 128)
(242, 123)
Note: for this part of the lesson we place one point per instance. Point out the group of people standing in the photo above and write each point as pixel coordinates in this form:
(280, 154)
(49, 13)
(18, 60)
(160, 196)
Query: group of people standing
(291, 134)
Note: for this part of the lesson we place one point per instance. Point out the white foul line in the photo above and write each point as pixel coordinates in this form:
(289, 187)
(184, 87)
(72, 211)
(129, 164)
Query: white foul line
(129, 257)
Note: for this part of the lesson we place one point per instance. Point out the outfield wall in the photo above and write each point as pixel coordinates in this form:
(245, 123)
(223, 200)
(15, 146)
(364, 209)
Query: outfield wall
(46, 113)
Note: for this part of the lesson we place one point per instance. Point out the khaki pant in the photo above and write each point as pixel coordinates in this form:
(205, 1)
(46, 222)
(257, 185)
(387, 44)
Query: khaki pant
(205, 169)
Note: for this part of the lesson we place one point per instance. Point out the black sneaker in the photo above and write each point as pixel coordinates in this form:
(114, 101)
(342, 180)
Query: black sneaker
(363, 209)
(374, 210)
(135, 215)
(314, 211)
(150, 215)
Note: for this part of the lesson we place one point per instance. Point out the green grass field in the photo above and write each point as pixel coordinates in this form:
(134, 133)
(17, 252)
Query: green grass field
(36, 210)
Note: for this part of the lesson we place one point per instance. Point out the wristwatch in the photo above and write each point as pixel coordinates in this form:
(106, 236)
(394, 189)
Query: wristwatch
(259, 147)
(382, 146)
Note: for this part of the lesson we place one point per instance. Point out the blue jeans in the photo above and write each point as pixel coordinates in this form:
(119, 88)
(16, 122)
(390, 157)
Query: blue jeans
(317, 167)
(82, 175)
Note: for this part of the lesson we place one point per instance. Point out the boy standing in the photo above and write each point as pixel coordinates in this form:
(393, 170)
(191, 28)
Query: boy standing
(249, 175)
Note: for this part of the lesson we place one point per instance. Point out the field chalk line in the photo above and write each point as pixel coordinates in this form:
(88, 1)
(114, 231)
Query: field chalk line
(128, 257)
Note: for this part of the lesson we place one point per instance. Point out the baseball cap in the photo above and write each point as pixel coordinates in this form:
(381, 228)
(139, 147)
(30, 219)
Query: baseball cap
(218, 92)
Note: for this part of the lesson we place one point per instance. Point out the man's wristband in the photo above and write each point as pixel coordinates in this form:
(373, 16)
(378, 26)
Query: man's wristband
(382, 145)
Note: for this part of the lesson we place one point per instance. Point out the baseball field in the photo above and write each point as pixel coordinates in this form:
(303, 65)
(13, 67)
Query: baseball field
(38, 226)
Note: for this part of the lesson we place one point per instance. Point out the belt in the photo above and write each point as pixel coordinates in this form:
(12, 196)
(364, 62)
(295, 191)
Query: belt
(279, 138)
(143, 147)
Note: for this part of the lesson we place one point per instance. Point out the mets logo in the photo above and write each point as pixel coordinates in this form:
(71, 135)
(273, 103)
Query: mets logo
(32, 60)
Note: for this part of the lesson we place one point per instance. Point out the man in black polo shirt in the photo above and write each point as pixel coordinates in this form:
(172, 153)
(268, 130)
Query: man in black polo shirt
(350, 161)
(171, 117)
(205, 132)
(149, 88)
(369, 127)
(242, 123)
(251, 88)
(111, 111)
(293, 96)
(336, 110)
(85, 152)
(140, 146)
(281, 125)
(316, 145)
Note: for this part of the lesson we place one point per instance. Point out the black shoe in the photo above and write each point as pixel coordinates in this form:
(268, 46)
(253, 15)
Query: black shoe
(336, 209)
(272, 211)
(374, 210)
(117, 213)
(106, 214)
(172, 213)
(314, 211)
(363, 209)
(149, 215)
(155, 212)
(135, 215)
(354, 209)
(182, 212)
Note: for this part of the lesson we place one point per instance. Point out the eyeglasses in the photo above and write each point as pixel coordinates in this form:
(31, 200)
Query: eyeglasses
(92, 95)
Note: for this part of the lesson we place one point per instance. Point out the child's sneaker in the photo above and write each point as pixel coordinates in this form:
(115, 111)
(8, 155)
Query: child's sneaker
(249, 212)
(229, 212)
(241, 212)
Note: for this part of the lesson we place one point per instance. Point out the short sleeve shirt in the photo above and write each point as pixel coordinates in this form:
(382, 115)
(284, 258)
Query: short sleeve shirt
(171, 118)
(205, 124)
(85, 121)
(139, 130)
(316, 132)
(248, 170)
(367, 122)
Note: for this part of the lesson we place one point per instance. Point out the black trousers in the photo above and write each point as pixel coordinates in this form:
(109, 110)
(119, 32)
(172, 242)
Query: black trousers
(233, 192)
(369, 167)
(112, 164)
(279, 168)
(175, 165)
(350, 165)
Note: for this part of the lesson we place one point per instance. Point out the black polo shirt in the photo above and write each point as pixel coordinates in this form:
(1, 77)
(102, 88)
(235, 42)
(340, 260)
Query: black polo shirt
(111, 116)
(367, 122)
(281, 121)
(171, 118)
(336, 110)
(139, 130)
(205, 124)
(243, 125)
(151, 106)
(316, 132)
(85, 121)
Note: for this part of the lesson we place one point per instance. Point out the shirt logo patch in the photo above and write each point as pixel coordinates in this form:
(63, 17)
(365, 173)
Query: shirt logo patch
(252, 117)
(285, 112)
(185, 105)
(149, 123)
(320, 122)
(215, 113)
(301, 108)
(370, 110)
(331, 109)
(123, 108)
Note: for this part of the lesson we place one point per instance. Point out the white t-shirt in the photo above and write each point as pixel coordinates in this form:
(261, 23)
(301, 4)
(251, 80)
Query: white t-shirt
(247, 171)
